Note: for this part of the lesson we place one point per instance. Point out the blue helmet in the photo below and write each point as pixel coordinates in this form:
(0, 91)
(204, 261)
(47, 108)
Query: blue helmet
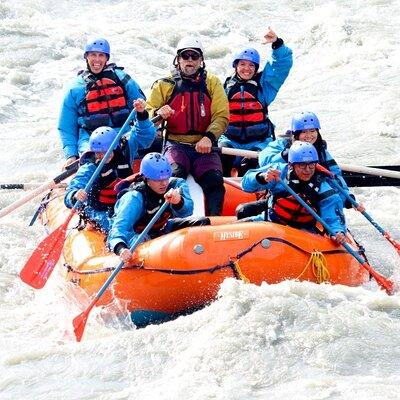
(305, 120)
(155, 166)
(302, 152)
(99, 44)
(101, 138)
(248, 54)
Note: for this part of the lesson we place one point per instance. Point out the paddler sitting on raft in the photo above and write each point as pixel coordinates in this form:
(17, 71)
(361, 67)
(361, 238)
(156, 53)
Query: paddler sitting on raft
(305, 126)
(301, 175)
(136, 206)
(102, 196)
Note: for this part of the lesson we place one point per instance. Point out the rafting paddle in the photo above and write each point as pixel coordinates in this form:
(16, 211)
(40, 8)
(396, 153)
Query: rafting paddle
(336, 186)
(358, 179)
(46, 186)
(381, 280)
(27, 186)
(41, 263)
(79, 322)
(358, 175)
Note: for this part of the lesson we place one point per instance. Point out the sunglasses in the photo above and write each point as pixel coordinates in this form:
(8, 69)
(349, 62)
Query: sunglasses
(304, 165)
(194, 56)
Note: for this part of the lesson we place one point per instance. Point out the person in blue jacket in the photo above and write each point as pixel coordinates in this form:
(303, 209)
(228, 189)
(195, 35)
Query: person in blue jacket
(135, 208)
(306, 128)
(101, 95)
(250, 92)
(101, 198)
(300, 174)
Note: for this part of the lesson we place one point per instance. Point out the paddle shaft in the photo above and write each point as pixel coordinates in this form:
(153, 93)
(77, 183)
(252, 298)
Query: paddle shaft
(336, 185)
(345, 167)
(384, 233)
(354, 179)
(41, 189)
(105, 157)
(132, 248)
(26, 186)
(381, 280)
(80, 321)
(108, 153)
(370, 171)
(233, 182)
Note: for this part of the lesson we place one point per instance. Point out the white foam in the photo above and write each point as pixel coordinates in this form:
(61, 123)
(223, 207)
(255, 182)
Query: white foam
(291, 340)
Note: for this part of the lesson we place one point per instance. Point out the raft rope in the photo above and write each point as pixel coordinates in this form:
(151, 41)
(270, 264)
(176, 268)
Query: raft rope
(233, 263)
(317, 261)
(318, 265)
(40, 212)
(237, 272)
(42, 206)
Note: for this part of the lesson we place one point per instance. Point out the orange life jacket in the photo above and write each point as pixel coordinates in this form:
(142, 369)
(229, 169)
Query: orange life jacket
(248, 116)
(288, 211)
(105, 103)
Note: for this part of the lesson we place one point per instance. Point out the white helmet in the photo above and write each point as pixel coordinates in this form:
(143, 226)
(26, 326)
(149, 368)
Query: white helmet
(189, 43)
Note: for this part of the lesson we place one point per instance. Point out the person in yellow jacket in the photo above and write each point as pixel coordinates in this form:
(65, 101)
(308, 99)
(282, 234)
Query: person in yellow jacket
(195, 110)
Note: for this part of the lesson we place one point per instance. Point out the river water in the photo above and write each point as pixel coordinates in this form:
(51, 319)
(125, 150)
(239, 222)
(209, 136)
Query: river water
(286, 341)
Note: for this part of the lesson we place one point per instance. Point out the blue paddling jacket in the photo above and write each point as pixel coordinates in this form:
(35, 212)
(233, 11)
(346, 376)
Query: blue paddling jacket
(261, 90)
(132, 211)
(102, 196)
(283, 208)
(277, 152)
(82, 112)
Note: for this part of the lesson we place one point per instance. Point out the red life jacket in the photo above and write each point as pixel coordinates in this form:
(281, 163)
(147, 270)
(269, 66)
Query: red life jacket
(288, 211)
(244, 108)
(105, 103)
(248, 116)
(103, 196)
(103, 95)
(108, 194)
(291, 212)
(192, 104)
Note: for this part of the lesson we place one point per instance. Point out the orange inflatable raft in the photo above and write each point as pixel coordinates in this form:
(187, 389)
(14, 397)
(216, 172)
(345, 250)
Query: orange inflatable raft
(182, 271)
